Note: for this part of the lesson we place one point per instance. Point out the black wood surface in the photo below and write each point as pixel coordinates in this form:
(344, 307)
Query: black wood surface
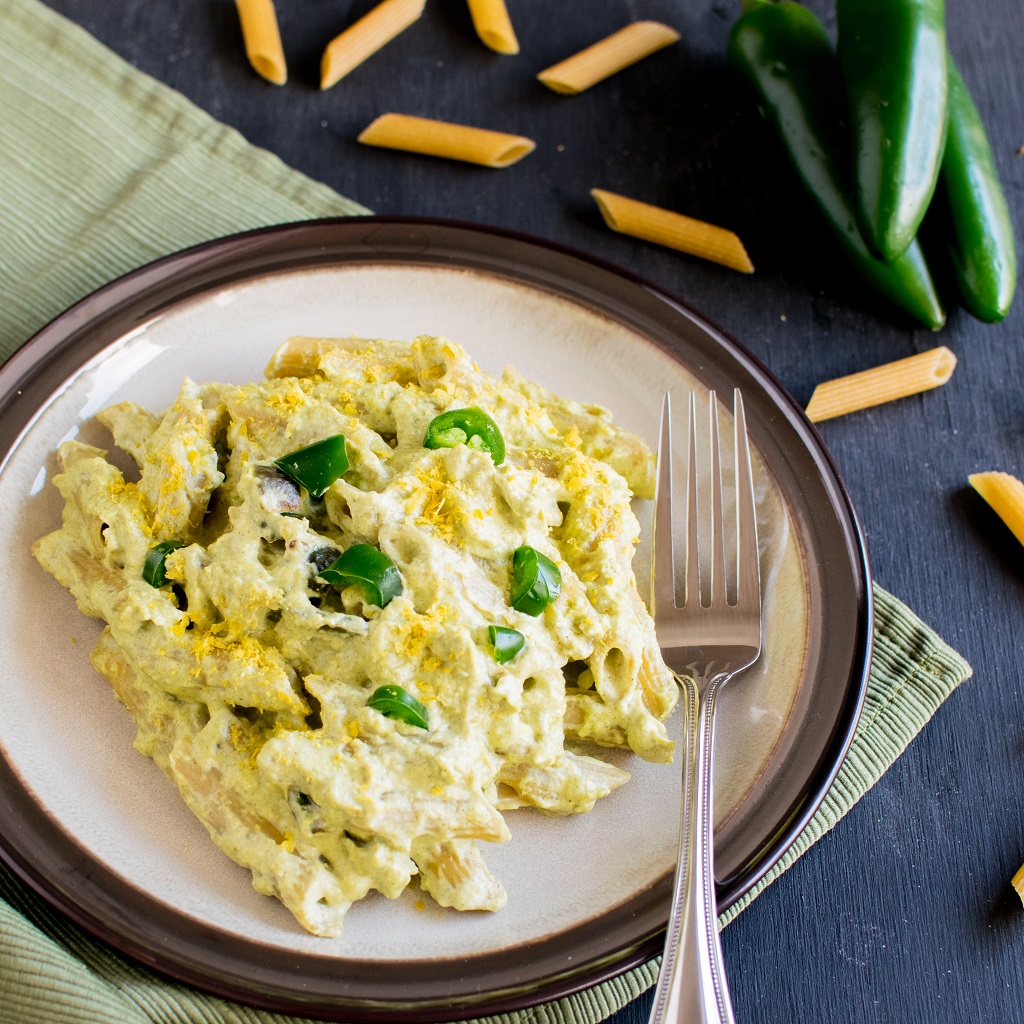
(904, 912)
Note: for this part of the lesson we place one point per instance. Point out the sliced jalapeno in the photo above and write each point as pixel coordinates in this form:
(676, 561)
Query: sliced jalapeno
(471, 427)
(316, 466)
(506, 643)
(393, 702)
(536, 581)
(154, 572)
(367, 567)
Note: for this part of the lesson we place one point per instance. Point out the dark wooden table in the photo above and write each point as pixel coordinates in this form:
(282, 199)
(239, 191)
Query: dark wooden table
(904, 912)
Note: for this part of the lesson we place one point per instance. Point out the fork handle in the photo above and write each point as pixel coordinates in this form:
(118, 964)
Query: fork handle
(692, 988)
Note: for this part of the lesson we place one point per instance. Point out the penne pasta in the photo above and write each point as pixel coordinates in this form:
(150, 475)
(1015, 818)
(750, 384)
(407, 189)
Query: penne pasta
(881, 384)
(493, 26)
(376, 28)
(1018, 879)
(454, 141)
(262, 39)
(674, 230)
(607, 57)
(1005, 494)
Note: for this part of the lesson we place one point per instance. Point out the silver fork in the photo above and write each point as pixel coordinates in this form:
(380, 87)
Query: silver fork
(705, 645)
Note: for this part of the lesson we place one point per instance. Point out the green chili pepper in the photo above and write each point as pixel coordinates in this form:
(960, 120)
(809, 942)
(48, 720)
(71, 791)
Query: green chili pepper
(393, 702)
(365, 566)
(536, 581)
(316, 466)
(785, 53)
(893, 57)
(471, 427)
(507, 643)
(153, 569)
(973, 208)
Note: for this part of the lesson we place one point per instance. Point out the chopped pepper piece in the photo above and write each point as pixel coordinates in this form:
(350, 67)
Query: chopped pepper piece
(471, 427)
(536, 581)
(367, 567)
(506, 642)
(316, 466)
(393, 702)
(154, 572)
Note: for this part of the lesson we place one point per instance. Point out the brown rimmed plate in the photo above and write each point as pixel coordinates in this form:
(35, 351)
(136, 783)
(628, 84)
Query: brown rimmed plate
(96, 829)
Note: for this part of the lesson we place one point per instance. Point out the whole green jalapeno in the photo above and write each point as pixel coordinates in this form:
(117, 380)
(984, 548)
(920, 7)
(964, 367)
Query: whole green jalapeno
(893, 57)
(784, 52)
(975, 219)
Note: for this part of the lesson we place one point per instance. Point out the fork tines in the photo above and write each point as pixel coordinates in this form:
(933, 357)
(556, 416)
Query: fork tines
(745, 590)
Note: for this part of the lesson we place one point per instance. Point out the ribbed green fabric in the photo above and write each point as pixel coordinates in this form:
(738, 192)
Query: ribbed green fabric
(104, 169)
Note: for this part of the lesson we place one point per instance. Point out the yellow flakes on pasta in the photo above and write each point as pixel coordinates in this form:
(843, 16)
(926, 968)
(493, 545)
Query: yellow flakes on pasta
(262, 39)
(607, 57)
(1005, 494)
(493, 25)
(653, 224)
(376, 28)
(881, 384)
(453, 141)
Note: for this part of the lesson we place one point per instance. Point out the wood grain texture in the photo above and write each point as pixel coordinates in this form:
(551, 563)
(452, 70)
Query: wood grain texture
(904, 912)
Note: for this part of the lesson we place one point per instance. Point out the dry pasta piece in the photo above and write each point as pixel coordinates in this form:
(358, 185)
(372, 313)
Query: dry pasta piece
(454, 141)
(653, 224)
(1005, 494)
(610, 55)
(376, 28)
(493, 25)
(881, 384)
(1018, 882)
(263, 39)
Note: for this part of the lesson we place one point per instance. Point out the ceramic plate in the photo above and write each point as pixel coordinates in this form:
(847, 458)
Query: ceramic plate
(97, 830)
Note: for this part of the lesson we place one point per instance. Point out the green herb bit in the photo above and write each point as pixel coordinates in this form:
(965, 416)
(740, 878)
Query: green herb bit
(536, 581)
(367, 567)
(316, 466)
(471, 427)
(506, 643)
(393, 702)
(154, 572)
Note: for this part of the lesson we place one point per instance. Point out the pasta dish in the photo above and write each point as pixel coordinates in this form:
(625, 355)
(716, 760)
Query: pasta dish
(361, 608)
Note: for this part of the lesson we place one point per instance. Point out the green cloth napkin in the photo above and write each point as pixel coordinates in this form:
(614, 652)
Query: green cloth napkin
(104, 169)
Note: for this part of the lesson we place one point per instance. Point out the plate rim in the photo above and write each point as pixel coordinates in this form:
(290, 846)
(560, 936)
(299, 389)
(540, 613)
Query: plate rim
(63, 334)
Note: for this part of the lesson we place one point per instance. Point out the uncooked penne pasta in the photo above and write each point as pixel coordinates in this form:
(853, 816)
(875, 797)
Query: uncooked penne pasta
(1018, 882)
(1005, 494)
(653, 224)
(379, 26)
(881, 384)
(493, 25)
(610, 55)
(262, 39)
(454, 141)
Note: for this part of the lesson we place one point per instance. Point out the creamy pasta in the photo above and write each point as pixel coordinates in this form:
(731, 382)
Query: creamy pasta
(352, 656)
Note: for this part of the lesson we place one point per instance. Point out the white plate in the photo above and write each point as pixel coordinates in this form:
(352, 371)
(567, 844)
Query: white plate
(121, 832)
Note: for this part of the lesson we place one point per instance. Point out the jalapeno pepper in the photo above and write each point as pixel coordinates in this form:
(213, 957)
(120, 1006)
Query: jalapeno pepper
(367, 567)
(316, 466)
(154, 570)
(506, 643)
(471, 427)
(893, 56)
(393, 702)
(784, 52)
(536, 581)
(973, 208)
